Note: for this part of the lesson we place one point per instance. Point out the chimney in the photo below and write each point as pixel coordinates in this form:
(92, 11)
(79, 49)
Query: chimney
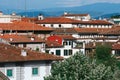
(11, 39)
(23, 53)
(32, 38)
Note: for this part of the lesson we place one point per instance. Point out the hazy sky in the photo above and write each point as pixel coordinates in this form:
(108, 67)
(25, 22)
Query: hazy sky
(41, 4)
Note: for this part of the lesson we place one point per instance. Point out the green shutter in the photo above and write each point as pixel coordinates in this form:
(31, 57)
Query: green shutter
(65, 52)
(9, 73)
(34, 71)
(58, 52)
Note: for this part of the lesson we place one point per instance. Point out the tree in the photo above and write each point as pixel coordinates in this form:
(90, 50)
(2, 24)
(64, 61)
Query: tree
(80, 67)
(103, 52)
(104, 56)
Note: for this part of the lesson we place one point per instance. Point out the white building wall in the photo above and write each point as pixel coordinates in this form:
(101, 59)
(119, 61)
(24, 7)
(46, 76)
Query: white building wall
(9, 18)
(95, 26)
(53, 50)
(57, 25)
(27, 70)
(35, 46)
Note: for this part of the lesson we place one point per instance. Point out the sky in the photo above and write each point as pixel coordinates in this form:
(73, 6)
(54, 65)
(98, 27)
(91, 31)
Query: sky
(42, 4)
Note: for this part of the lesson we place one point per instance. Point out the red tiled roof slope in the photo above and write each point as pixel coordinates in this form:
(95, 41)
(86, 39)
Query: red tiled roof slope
(10, 53)
(116, 46)
(68, 37)
(21, 25)
(57, 20)
(90, 30)
(15, 38)
(114, 30)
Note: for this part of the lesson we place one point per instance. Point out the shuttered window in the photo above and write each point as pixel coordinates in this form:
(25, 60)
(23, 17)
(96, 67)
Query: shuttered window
(34, 71)
(58, 52)
(9, 72)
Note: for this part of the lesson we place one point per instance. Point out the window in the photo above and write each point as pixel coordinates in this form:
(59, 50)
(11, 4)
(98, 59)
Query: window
(34, 71)
(59, 25)
(52, 53)
(67, 52)
(70, 52)
(51, 25)
(9, 72)
(70, 42)
(24, 45)
(43, 24)
(47, 51)
(65, 43)
(58, 52)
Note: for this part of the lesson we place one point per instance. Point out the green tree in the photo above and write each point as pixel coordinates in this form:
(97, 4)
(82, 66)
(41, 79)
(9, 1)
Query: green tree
(80, 67)
(104, 56)
(103, 52)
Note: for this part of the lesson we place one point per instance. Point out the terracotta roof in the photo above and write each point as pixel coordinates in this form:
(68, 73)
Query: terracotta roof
(116, 46)
(96, 22)
(64, 31)
(67, 37)
(115, 30)
(26, 19)
(23, 26)
(15, 38)
(75, 15)
(57, 20)
(90, 30)
(10, 53)
(51, 44)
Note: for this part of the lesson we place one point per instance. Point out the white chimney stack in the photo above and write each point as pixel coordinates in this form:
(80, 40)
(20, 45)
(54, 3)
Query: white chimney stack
(23, 53)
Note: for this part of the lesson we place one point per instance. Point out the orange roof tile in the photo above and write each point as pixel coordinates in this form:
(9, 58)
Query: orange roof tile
(23, 26)
(10, 53)
(51, 44)
(26, 19)
(15, 38)
(68, 37)
(113, 30)
(116, 46)
(64, 31)
(57, 20)
(90, 30)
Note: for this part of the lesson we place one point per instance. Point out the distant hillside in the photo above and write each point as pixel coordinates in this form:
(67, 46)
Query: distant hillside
(95, 10)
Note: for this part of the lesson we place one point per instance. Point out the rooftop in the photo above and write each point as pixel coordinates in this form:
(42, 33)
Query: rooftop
(57, 20)
(10, 53)
(15, 38)
(23, 26)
